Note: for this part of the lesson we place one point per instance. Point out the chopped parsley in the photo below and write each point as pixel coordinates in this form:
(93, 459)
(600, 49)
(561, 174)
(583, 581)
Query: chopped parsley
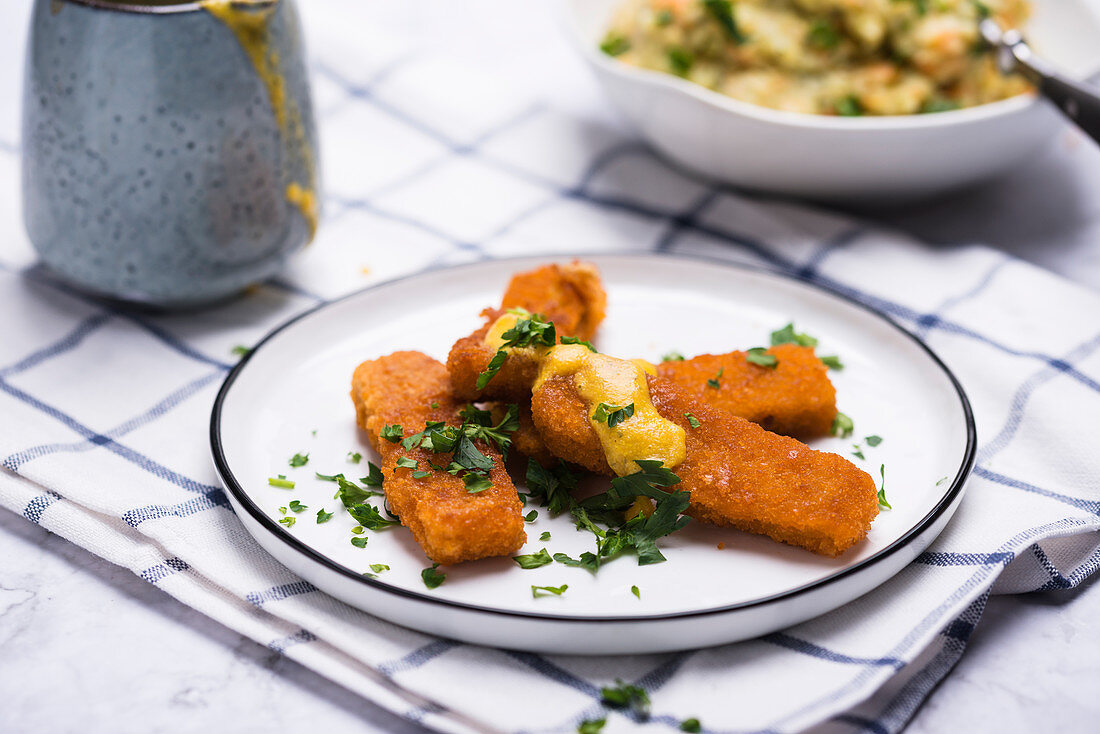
(823, 35)
(531, 329)
(615, 44)
(379, 567)
(759, 356)
(640, 533)
(404, 462)
(533, 560)
(636, 591)
(587, 560)
(692, 420)
(612, 415)
(530, 516)
(842, 426)
(358, 530)
(420, 474)
(582, 342)
(832, 361)
(680, 60)
(692, 726)
(858, 452)
(849, 107)
(355, 457)
(553, 486)
(282, 510)
(625, 695)
(434, 405)
(359, 541)
(329, 477)
(873, 441)
(882, 490)
(663, 18)
(787, 335)
(280, 481)
(591, 726)
(433, 578)
(299, 460)
(296, 506)
(391, 433)
(722, 10)
(537, 591)
(940, 481)
(476, 483)
(545, 536)
(240, 350)
(355, 499)
(323, 516)
(715, 381)
(288, 521)
(672, 357)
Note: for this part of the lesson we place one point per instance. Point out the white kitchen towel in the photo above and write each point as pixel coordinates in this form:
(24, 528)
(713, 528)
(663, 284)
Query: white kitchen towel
(104, 412)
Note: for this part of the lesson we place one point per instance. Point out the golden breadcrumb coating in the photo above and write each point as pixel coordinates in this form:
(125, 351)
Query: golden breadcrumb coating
(738, 474)
(448, 522)
(795, 398)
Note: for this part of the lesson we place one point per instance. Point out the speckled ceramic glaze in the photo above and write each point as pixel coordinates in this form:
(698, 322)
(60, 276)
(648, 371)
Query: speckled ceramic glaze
(163, 163)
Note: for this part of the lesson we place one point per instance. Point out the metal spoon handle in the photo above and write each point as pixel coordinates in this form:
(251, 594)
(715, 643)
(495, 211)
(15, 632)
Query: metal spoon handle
(1079, 102)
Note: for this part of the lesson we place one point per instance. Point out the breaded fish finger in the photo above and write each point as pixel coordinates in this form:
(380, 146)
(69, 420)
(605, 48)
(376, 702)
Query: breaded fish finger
(450, 524)
(794, 398)
(572, 296)
(738, 474)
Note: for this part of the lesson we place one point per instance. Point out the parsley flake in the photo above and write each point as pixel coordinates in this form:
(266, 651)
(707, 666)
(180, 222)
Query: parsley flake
(759, 356)
(379, 567)
(672, 357)
(692, 420)
(578, 340)
(636, 591)
(625, 695)
(714, 382)
(355, 457)
(858, 452)
(475, 483)
(787, 335)
(296, 506)
(374, 476)
(404, 462)
(537, 591)
(587, 560)
(360, 541)
(722, 10)
(299, 460)
(612, 415)
(692, 726)
(553, 486)
(420, 474)
(832, 362)
(591, 726)
(323, 516)
(288, 521)
(849, 107)
(882, 490)
(328, 477)
(615, 44)
(545, 536)
(280, 481)
(431, 577)
(533, 560)
(392, 434)
(842, 426)
(680, 60)
(873, 441)
(530, 516)
(531, 329)
(282, 510)
(241, 350)
(941, 481)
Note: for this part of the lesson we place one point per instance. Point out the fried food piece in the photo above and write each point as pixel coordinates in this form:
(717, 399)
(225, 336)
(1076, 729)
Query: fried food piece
(448, 522)
(795, 398)
(738, 474)
(572, 296)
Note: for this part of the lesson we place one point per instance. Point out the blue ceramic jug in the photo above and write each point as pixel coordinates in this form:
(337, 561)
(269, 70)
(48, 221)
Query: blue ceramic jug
(170, 153)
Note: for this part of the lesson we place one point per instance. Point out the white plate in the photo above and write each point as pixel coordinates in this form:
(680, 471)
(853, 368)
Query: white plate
(296, 381)
(837, 158)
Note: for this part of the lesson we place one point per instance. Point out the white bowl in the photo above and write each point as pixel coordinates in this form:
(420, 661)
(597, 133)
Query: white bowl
(838, 158)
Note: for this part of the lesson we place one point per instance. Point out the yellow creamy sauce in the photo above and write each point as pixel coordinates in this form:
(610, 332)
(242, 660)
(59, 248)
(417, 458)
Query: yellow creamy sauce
(600, 378)
(249, 22)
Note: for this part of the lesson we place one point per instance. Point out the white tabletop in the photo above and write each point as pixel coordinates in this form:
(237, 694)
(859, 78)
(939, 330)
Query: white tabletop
(88, 646)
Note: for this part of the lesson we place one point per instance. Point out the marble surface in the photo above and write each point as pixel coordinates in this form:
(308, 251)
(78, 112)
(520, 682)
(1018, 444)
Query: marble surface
(88, 647)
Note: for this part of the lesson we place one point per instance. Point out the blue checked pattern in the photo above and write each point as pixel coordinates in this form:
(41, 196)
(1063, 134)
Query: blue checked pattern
(430, 164)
